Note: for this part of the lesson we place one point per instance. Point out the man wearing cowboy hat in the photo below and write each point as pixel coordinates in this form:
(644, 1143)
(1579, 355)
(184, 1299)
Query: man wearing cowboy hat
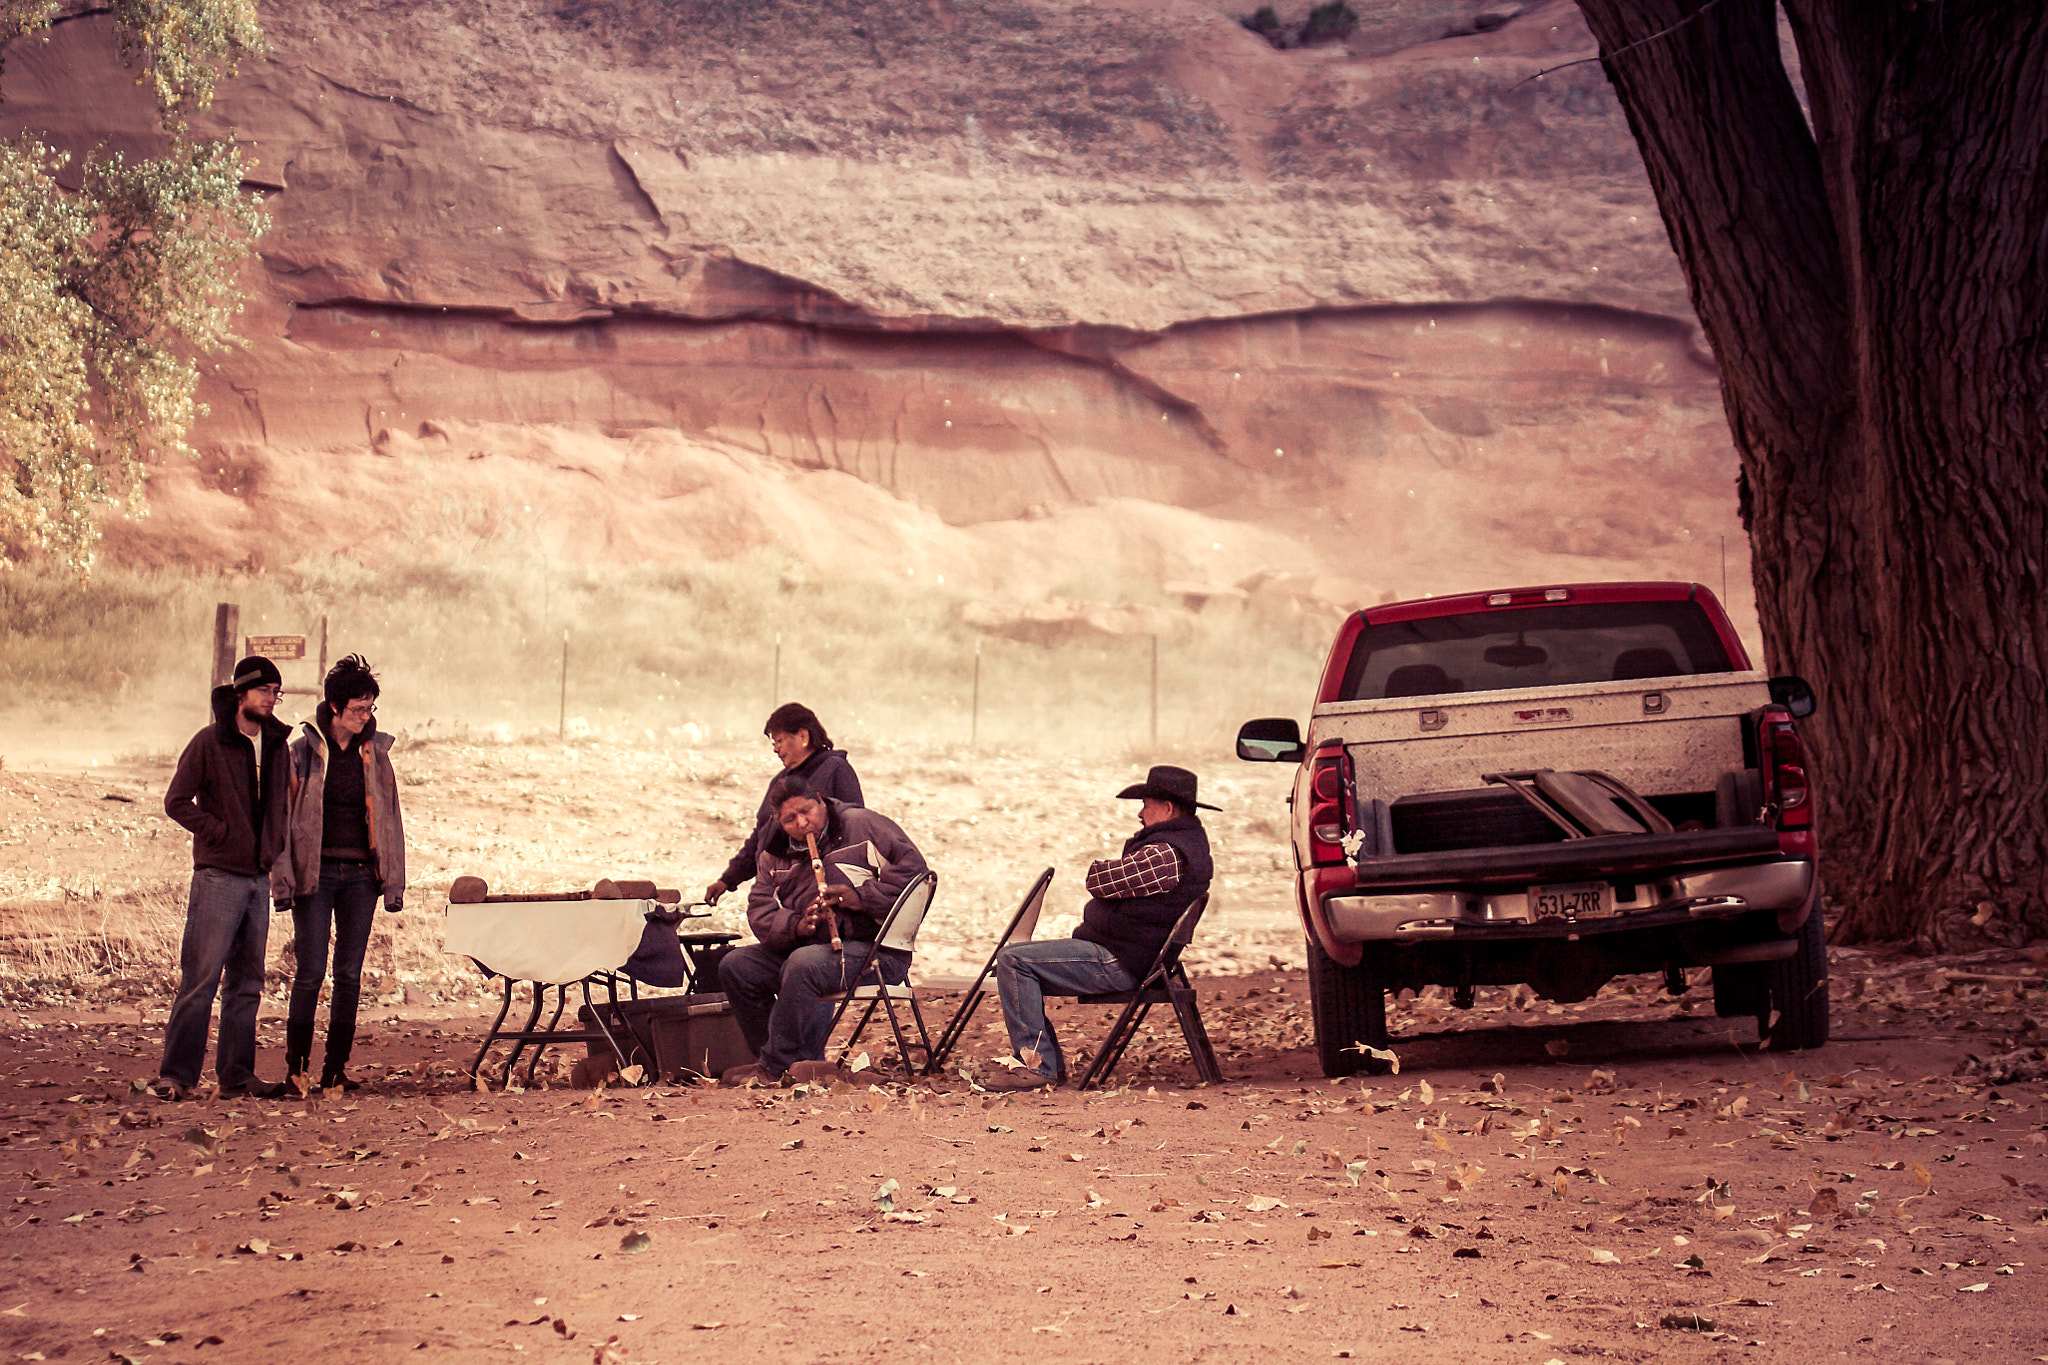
(230, 790)
(1135, 900)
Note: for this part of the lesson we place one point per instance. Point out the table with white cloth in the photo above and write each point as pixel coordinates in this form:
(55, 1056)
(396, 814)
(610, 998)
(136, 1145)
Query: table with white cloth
(554, 945)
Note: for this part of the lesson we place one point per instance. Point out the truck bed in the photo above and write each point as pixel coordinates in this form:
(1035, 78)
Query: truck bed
(1659, 735)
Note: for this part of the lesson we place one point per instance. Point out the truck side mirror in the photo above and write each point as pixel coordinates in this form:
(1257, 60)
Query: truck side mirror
(1276, 739)
(1794, 694)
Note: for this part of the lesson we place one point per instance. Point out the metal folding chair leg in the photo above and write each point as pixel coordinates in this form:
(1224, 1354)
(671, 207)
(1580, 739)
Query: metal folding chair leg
(1190, 1016)
(888, 1004)
(1181, 997)
(1112, 1050)
(924, 1039)
(955, 1030)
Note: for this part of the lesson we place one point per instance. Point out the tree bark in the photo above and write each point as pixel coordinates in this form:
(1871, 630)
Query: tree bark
(1874, 283)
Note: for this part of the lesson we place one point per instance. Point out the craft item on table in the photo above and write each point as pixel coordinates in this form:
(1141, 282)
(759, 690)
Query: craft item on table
(476, 891)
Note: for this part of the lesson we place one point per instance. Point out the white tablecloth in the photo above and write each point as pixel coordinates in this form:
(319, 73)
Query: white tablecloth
(548, 941)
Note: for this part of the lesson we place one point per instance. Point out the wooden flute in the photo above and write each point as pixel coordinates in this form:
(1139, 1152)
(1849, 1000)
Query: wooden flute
(831, 916)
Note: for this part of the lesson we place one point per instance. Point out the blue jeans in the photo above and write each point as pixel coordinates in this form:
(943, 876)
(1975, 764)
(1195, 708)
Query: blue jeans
(227, 929)
(1028, 972)
(778, 1002)
(346, 901)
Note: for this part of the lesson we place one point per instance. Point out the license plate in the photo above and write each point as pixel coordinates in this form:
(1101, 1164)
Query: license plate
(1574, 900)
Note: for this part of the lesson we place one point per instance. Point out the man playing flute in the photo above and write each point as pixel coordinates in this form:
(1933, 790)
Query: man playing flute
(777, 985)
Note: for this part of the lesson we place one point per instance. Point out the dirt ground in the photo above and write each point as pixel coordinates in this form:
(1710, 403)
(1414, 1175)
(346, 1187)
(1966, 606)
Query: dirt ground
(1626, 1178)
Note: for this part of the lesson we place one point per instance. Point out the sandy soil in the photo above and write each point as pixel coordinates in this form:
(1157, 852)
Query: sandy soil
(1622, 1178)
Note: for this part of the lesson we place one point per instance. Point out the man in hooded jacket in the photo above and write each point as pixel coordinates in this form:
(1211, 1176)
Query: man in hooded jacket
(230, 791)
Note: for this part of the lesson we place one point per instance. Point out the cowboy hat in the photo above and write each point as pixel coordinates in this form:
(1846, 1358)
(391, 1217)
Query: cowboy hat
(1168, 784)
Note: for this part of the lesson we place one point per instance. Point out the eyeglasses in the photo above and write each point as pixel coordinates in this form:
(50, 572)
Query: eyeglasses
(267, 689)
(360, 709)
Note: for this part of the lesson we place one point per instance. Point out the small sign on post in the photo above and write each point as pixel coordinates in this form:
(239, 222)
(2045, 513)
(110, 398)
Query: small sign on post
(277, 646)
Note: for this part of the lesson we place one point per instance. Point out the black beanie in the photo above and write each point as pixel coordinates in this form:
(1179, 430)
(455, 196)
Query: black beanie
(257, 671)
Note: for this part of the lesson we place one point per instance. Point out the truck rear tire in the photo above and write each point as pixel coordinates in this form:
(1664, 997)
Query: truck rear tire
(1349, 1006)
(1741, 991)
(1799, 990)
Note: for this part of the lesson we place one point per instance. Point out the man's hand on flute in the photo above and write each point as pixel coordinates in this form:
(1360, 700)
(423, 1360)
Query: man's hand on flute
(830, 899)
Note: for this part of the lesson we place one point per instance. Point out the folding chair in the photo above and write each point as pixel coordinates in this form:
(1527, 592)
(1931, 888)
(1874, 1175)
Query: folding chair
(1022, 926)
(1165, 984)
(899, 931)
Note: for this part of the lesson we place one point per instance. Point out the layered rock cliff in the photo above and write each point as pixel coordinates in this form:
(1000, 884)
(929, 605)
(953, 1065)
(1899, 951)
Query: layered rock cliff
(1013, 290)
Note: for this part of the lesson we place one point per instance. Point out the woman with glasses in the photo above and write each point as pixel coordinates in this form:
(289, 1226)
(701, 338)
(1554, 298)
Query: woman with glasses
(344, 846)
(802, 747)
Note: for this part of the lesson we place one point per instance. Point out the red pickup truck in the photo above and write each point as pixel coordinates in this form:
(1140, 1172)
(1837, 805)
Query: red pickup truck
(1554, 786)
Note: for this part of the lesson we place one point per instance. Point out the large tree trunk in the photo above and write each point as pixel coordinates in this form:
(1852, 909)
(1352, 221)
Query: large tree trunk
(1875, 287)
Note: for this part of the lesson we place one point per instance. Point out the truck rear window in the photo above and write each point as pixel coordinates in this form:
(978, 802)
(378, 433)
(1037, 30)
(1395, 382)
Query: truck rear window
(1542, 646)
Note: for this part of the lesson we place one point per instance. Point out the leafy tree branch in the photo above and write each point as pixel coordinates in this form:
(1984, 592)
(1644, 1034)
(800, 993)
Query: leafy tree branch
(108, 292)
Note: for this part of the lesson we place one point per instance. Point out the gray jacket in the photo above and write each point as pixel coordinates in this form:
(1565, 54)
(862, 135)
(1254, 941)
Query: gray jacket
(297, 870)
(861, 849)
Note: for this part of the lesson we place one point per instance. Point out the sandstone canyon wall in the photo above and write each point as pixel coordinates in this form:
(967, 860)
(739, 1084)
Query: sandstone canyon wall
(1015, 292)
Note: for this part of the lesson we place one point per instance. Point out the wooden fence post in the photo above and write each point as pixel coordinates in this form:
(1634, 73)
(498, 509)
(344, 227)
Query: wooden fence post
(227, 630)
(1155, 691)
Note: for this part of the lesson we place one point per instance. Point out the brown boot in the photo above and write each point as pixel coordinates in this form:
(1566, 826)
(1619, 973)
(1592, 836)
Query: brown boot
(750, 1074)
(810, 1073)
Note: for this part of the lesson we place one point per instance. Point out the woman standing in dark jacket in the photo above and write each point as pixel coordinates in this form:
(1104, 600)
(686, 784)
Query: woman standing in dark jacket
(344, 847)
(802, 745)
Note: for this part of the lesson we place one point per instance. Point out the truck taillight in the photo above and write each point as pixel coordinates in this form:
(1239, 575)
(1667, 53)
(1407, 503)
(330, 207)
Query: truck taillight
(1330, 805)
(1791, 792)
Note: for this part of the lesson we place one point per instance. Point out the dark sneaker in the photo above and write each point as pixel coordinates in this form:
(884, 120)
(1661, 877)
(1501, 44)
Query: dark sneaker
(1023, 1078)
(170, 1091)
(257, 1090)
(337, 1081)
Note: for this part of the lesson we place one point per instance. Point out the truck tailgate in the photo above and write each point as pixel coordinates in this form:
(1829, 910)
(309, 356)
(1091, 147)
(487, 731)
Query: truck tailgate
(1614, 856)
(1659, 735)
